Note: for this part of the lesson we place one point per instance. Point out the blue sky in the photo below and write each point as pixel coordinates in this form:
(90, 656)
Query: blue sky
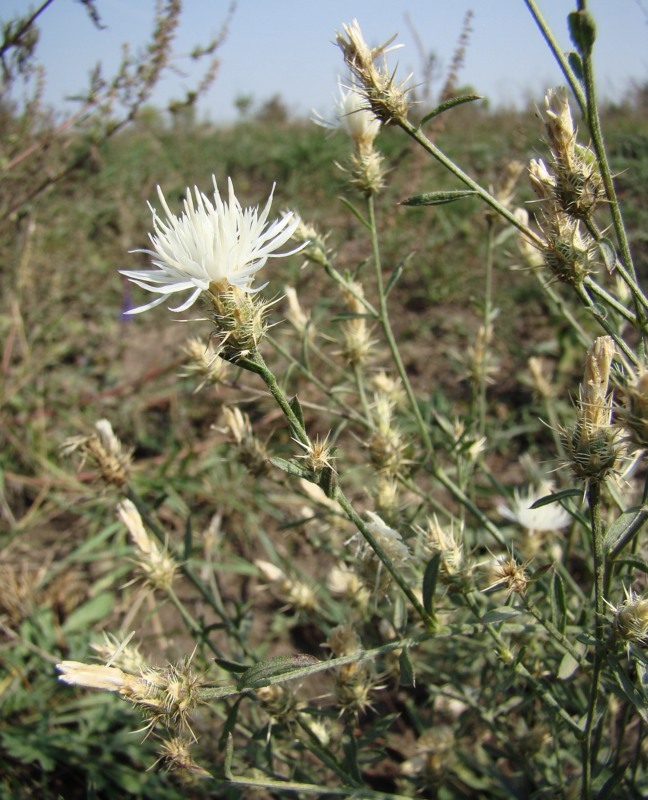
(285, 47)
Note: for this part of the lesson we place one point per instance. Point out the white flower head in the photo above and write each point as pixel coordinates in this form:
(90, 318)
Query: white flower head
(354, 115)
(550, 517)
(211, 244)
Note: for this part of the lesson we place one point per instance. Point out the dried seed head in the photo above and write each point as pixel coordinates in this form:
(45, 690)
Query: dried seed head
(105, 449)
(278, 702)
(175, 754)
(505, 571)
(344, 582)
(592, 445)
(312, 242)
(386, 99)
(204, 362)
(156, 566)
(250, 451)
(294, 592)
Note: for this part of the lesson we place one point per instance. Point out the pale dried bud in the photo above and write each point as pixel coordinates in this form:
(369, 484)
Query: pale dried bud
(344, 582)
(631, 619)
(106, 451)
(632, 412)
(204, 362)
(250, 451)
(540, 377)
(296, 316)
(506, 572)
(157, 567)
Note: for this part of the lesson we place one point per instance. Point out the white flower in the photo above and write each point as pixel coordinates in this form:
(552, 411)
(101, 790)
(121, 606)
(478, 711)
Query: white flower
(550, 517)
(353, 115)
(210, 243)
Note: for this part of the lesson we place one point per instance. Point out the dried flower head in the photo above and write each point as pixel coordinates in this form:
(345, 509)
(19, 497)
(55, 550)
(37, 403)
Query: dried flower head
(343, 581)
(204, 362)
(295, 593)
(436, 538)
(175, 754)
(166, 696)
(592, 445)
(312, 242)
(212, 247)
(354, 683)
(251, 452)
(105, 449)
(391, 542)
(156, 566)
(506, 572)
(386, 99)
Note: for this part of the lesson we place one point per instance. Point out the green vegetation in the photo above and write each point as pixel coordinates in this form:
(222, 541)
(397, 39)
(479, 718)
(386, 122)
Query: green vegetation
(481, 652)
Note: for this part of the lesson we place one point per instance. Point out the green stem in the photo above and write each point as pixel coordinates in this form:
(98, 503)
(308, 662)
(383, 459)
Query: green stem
(588, 748)
(388, 333)
(594, 124)
(603, 322)
(485, 195)
(558, 54)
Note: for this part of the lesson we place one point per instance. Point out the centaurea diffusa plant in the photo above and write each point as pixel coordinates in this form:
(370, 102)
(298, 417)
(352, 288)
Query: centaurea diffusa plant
(401, 481)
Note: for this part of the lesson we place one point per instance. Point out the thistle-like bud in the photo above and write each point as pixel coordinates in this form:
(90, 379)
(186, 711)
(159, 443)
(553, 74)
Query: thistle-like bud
(165, 696)
(387, 447)
(507, 572)
(175, 754)
(384, 97)
(592, 445)
(354, 682)
(251, 452)
(578, 187)
(631, 619)
(344, 582)
(313, 244)
(569, 254)
(205, 362)
(239, 320)
(294, 592)
(105, 449)
(539, 375)
(436, 538)
(358, 343)
(157, 566)
(296, 316)
(278, 702)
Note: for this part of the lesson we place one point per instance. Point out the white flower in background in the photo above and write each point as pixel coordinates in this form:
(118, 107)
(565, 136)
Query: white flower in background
(353, 115)
(214, 245)
(550, 517)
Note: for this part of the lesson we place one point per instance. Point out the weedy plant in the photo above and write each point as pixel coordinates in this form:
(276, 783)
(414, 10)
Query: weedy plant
(456, 648)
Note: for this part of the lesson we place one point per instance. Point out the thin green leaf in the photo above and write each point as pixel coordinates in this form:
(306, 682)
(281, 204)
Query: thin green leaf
(624, 526)
(291, 468)
(355, 212)
(501, 614)
(394, 277)
(231, 666)
(608, 254)
(438, 198)
(188, 540)
(274, 670)
(556, 497)
(429, 582)
(634, 561)
(295, 405)
(558, 603)
(567, 667)
(407, 676)
(453, 102)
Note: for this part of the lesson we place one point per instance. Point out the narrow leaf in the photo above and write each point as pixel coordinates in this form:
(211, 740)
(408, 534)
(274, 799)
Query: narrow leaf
(429, 582)
(556, 497)
(291, 468)
(558, 603)
(501, 614)
(453, 102)
(188, 537)
(608, 254)
(567, 667)
(355, 212)
(280, 667)
(231, 666)
(438, 198)
(95, 610)
(624, 525)
(407, 677)
(295, 405)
